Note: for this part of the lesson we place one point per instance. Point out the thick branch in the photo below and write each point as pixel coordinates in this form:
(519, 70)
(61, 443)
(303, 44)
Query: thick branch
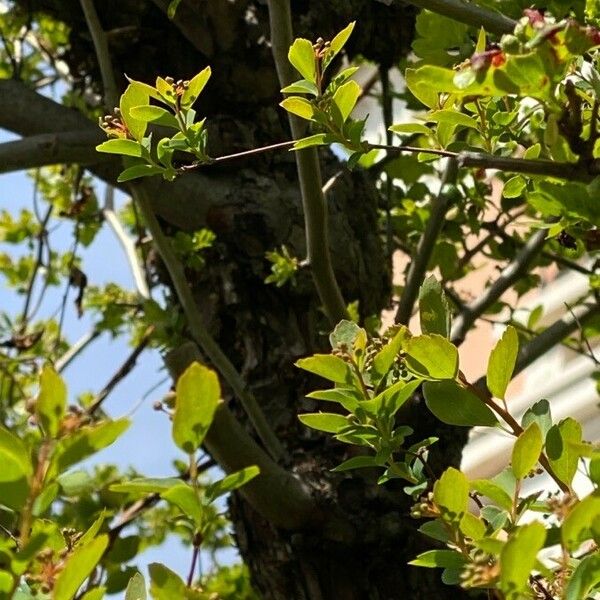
(465, 12)
(510, 275)
(309, 175)
(50, 149)
(420, 259)
(197, 327)
(276, 494)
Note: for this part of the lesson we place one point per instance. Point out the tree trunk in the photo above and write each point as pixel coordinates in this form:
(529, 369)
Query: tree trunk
(262, 328)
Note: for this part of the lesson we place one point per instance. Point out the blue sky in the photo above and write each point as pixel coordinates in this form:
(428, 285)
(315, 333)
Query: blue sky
(147, 444)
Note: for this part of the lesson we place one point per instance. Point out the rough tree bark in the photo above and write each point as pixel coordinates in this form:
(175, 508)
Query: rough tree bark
(254, 206)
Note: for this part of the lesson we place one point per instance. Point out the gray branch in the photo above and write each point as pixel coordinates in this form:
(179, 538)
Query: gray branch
(465, 12)
(510, 275)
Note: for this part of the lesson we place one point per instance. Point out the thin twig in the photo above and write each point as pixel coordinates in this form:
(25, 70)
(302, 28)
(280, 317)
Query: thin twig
(79, 346)
(190, 577)
(309, 175)
(121, 372)
(584, 337)
(420, 258)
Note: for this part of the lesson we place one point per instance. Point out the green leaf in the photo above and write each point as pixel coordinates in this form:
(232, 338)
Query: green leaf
(493, 491)
(45, 499)
(561, 449)
(51, 402)
(445, 559)
(410, 128)
(197, 396)
(584, 578)
(455, 405)
(231, 482)
(434, 311)
(329, 422)
(186, 498)
(347, 397)
(345, 98)
(298, 106)
(387, 403)
(121, 146)
(385, 358)
(594, 467)
(502, 362)
(302, 56)
(302, 86)
(435, 529)
(136, 588)
(518, 559)
(431, 357)
(154, 114)
(527, 450)
(327, 366)
(426, 82)
(337, 43)
(165, 584)
(538, 413)
(453, 117)
(472, 526)
(195, 87)
(78, 567)
(171, 10)
(138, 171)
(319, 139)
(16, 470)
(514, 187)
(94, 594)
(451, 495)
(344, 335)
(84, 443)
(358, 462)
(136, 94)
(145, 485)
(582, 522)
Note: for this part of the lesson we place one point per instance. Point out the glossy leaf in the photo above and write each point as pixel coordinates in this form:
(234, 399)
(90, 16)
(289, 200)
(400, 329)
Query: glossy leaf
(298, 106)
(146, 485)
(197, 396)
(94, 594)
(84, 443)
(327, 366)
(136, 94)
(518, 559)
(186, 498)
(154, 114)
(387, 403)
(385, 357)
(538, 413)
(136, 588)
(472, 526)
(493, 491)
(337, 43)
(232, 482)
(527, 450)
(328, 422)
(171, 11)
(502, 362)
(455, 405)
(302, 86)
(434, 311)
(51, 401)
(165, 584)
(78, 567)
(561, 449)
(138, 171)
(358, 462)
(121, 146)
(451, 559)
(453, 117)
(347, 397)
(431, 357)
(582, 522)
(302, 56)
(345, 98)
(584, 578)
(16, 470)
(451, 495)
(319, 139)
(195, 87)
